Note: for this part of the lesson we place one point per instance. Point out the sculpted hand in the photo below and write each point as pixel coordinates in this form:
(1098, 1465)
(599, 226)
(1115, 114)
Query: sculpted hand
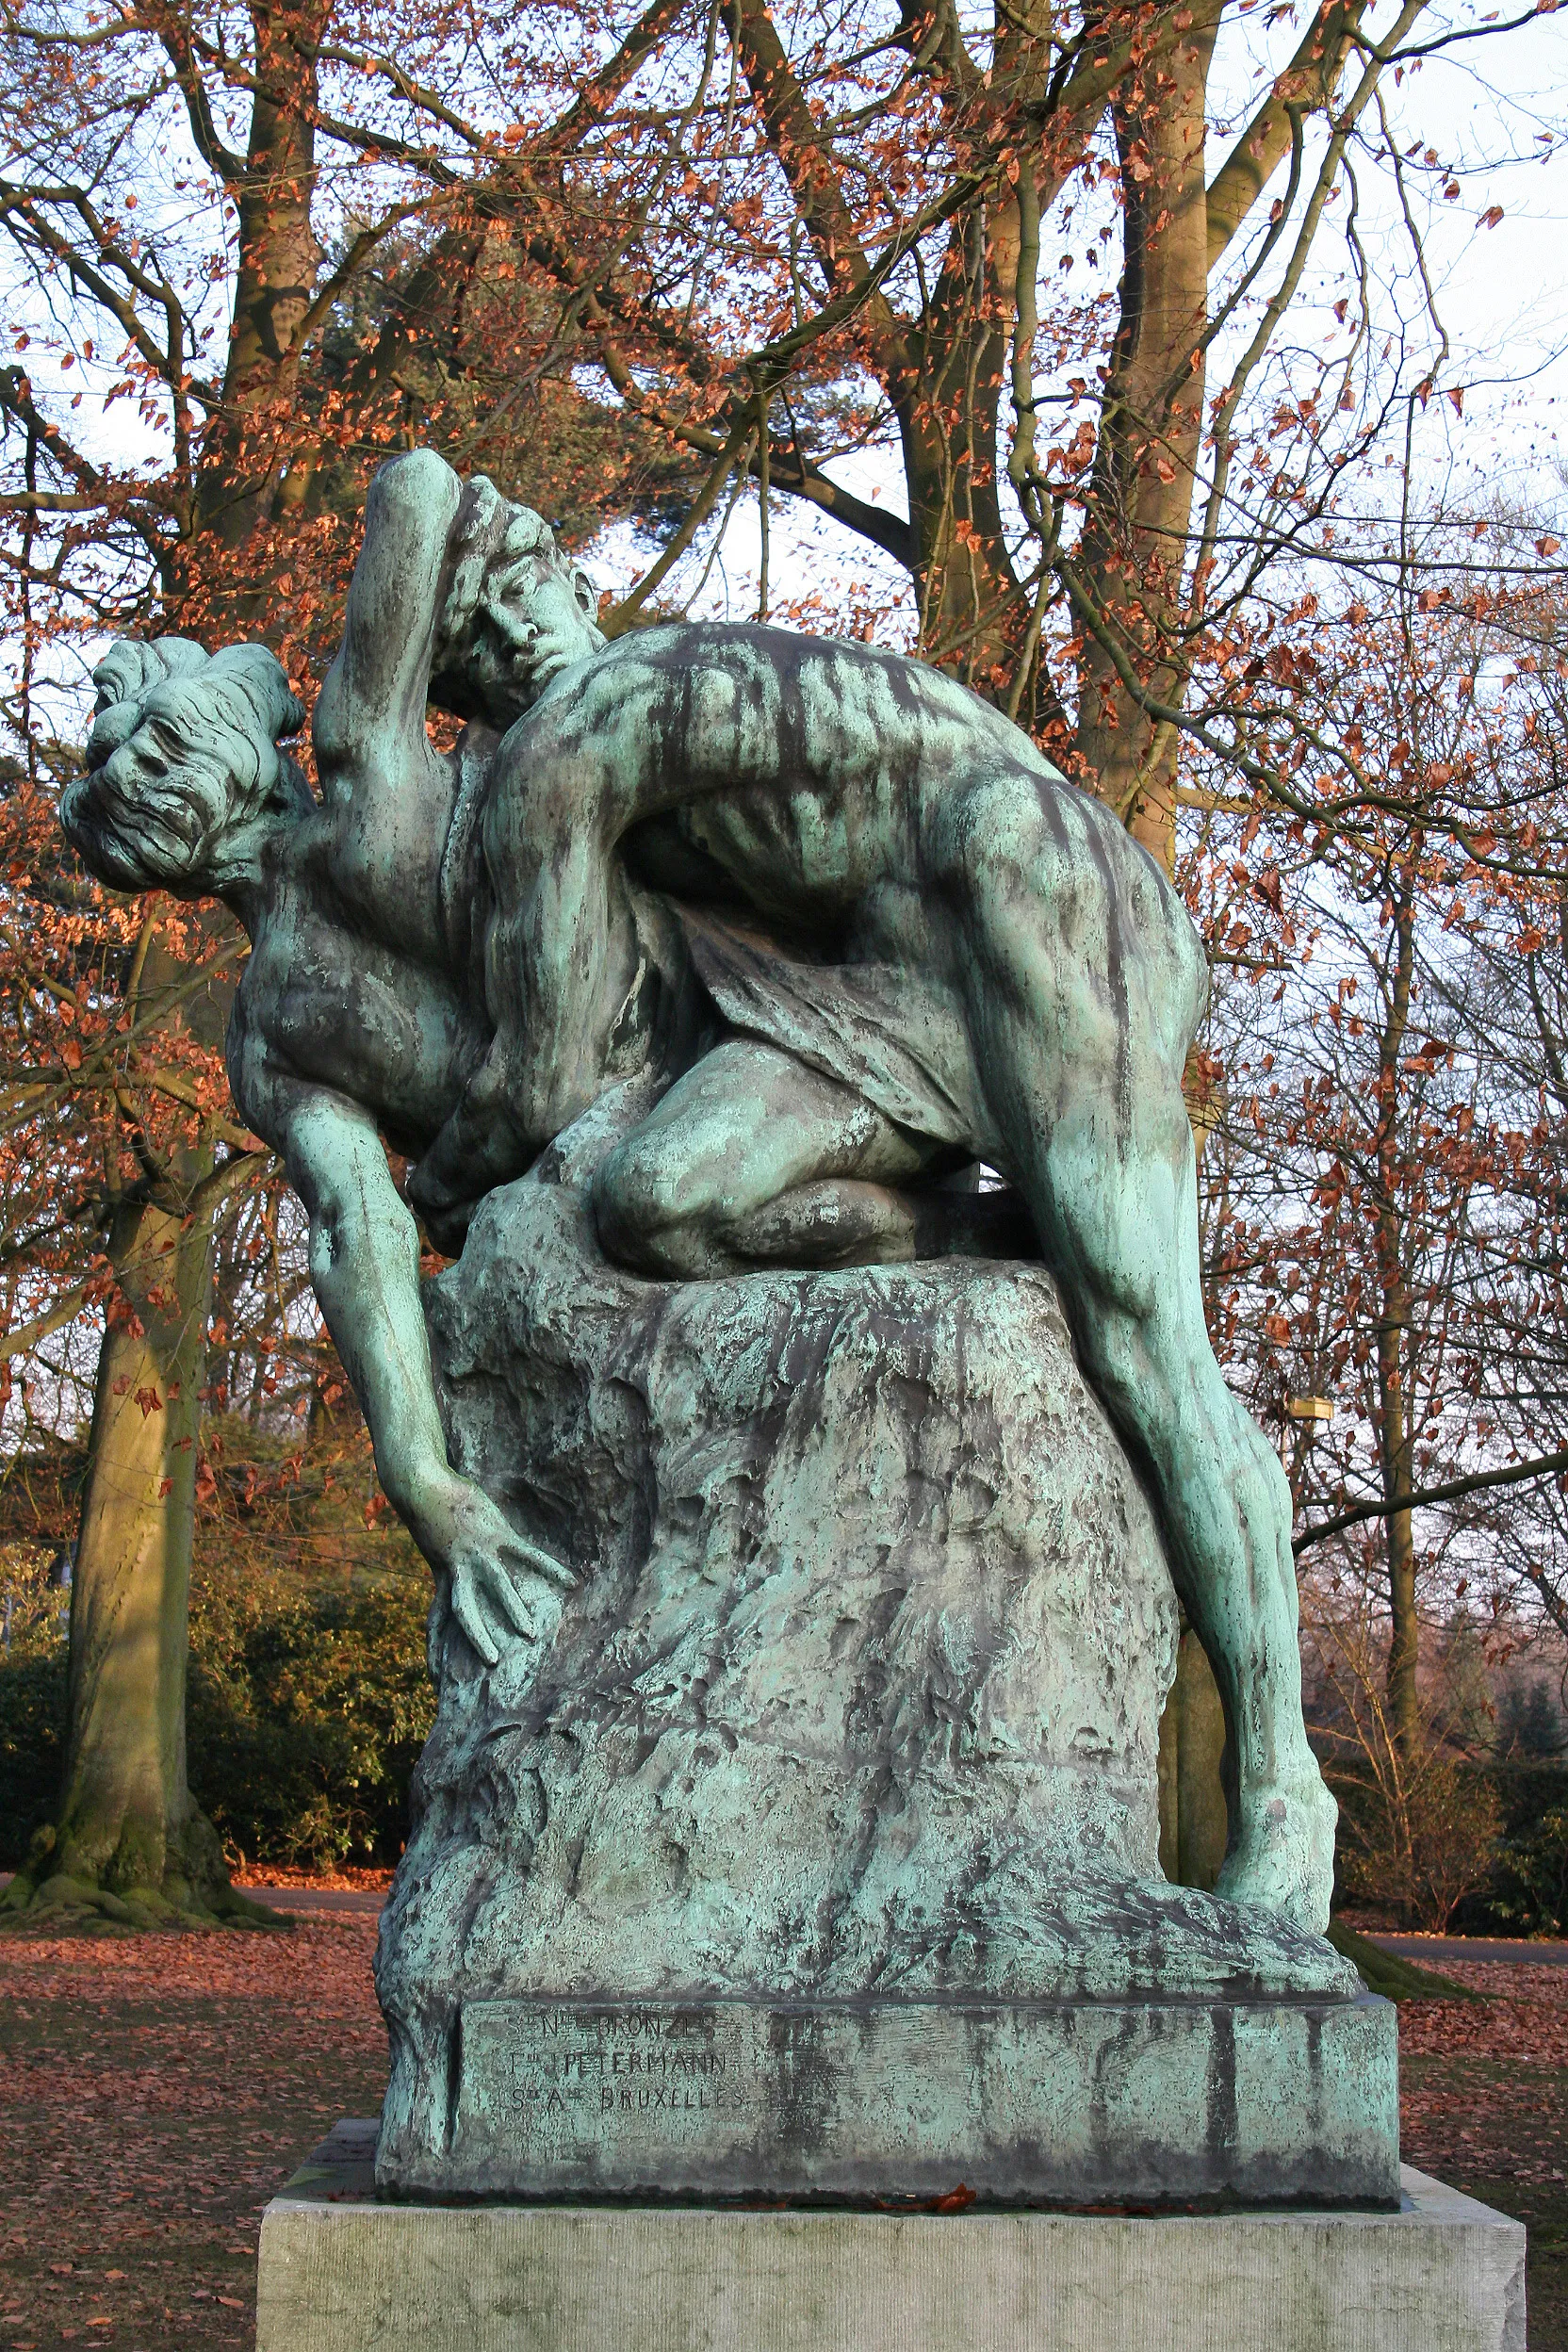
(500, 1588)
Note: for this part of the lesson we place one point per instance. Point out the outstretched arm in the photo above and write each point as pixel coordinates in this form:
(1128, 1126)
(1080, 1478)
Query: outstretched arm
(365, 1264)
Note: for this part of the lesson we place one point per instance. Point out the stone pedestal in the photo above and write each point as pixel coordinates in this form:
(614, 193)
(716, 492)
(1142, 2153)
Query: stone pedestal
(832, 1803)
(340, 2273)
(1026, 2103)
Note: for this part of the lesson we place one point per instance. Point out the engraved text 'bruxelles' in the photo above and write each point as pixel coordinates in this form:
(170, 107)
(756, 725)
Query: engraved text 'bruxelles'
(630, 2060)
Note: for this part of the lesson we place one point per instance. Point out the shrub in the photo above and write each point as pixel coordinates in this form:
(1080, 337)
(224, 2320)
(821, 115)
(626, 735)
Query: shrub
(1527, 1891)
(305, 1721)
(32, 1730)
(1417, 1834)
(306, 1712)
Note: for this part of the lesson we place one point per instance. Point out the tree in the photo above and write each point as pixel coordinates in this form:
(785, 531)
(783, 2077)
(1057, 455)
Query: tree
(1382, 1226)
(707, 256)
(128, 1824)
(873, 217)
(227, 531)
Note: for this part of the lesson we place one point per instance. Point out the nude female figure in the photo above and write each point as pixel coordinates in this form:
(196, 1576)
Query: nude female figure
(844, 922)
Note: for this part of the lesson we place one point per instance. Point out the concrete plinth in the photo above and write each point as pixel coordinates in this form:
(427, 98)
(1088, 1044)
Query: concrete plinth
(340, 2273)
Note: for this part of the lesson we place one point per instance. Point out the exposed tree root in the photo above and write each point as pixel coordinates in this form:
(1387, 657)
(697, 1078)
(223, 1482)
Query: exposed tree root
(58, 1888)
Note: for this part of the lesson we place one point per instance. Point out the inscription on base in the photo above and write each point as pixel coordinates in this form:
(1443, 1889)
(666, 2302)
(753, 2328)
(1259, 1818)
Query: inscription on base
(1024, 2102)
(591, 2063)
(567, 2085)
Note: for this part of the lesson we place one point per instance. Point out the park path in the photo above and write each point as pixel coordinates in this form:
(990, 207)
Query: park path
(1428, 1951)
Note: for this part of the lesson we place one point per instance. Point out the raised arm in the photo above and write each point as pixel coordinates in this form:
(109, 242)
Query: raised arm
(365, 1264)
(369, 721)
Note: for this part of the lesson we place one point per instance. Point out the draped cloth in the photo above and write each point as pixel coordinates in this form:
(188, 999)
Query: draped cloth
(894, 1036)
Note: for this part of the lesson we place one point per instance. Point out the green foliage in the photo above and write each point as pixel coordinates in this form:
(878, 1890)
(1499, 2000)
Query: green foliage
(32, 1695)
(32, 1724)
(1531, 1878)
(1528, 1894)
(309, 1705)
(305, 1715)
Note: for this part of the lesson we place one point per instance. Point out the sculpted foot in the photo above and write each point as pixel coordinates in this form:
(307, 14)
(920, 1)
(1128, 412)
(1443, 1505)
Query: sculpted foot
(1282, 1858)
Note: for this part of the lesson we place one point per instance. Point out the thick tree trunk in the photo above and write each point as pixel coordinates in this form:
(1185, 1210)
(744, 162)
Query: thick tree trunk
(1194, 1817)
(129, 1841)
(253, 439)
(972, 617)
(1129, 570)
(126, 1821)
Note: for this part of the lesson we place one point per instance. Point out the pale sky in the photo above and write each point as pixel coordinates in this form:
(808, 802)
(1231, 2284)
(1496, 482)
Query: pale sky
(1501, 293)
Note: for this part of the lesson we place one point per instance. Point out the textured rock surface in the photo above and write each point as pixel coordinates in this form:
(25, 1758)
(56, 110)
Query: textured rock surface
(858, 1691)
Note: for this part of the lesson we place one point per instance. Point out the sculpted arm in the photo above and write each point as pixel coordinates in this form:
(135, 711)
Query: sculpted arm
(365, 1266)
(561, 971)
(369, 724)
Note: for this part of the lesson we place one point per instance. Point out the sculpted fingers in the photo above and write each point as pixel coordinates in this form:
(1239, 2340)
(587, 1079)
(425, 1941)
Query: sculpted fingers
(503, 1589)
(465, 1609)
(532, 1562)
(436, 1623)
(509, 1601)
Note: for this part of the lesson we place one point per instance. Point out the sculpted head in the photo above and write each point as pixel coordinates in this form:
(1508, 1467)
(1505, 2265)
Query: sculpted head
(183, 766)
(516, 613)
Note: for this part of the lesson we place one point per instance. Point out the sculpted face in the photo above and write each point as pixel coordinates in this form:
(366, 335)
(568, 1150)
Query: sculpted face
(182, 758)
(519, 614)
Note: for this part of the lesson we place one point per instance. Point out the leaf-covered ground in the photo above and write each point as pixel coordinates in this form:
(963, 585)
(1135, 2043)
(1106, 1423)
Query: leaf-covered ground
(155, 2090)
(1484, 2105)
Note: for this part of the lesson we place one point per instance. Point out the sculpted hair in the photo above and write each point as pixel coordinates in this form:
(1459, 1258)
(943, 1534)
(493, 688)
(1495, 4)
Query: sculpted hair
(484, 660)
(491, 534)
(184, 749)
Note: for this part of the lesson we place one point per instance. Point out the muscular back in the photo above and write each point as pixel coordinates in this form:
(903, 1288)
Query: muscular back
(793, 772)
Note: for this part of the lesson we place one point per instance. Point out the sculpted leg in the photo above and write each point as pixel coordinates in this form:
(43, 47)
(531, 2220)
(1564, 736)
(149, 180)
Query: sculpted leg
(1083, 990)
(751, 1159)
(1224, 1500)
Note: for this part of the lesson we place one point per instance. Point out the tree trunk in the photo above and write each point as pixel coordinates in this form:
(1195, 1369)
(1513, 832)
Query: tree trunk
(1129, 570)
(253, 438)
(128, 1824)
(971, 615)
(1393, 1430)
(1194, 1819)
(128, 1840)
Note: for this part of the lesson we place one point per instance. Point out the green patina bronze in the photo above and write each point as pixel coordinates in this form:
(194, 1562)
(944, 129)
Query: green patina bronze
(786, 935)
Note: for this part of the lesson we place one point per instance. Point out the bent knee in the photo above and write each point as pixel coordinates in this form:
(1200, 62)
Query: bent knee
(644, 1208)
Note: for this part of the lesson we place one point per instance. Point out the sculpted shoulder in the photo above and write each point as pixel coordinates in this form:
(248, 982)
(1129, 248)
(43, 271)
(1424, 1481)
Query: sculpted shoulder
(679, 664)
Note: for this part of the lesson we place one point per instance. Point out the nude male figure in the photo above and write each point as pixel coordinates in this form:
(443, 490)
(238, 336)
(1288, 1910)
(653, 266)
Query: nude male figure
(842, 920)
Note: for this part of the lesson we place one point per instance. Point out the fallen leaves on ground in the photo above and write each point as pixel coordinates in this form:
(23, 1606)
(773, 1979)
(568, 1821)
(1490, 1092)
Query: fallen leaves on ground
(1484, 2085)
(154, 2091)
(349, 1877)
